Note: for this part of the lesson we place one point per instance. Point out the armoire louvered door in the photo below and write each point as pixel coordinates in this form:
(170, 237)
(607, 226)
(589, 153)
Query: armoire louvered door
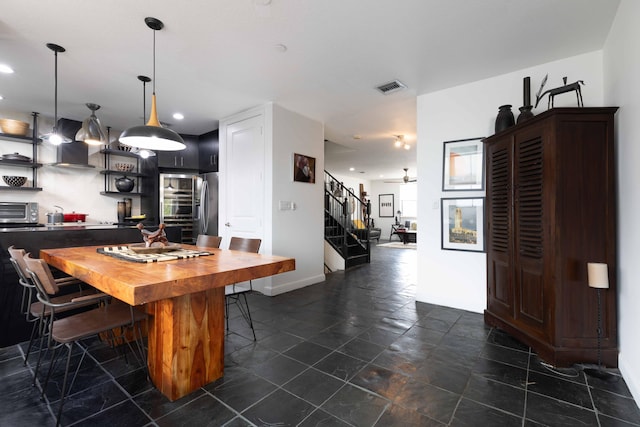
(529, 216)
(500, 245)
(550, 210)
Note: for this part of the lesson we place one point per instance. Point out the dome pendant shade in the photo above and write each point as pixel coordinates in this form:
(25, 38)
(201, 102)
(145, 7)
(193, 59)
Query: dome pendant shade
(91, 131)
(152, 136)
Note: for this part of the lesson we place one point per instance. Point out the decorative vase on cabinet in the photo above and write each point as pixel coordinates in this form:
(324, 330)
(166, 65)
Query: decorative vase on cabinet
(504, 119)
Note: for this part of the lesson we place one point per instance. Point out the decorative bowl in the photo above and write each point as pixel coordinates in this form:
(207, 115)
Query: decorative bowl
(14, 181)
(14, 127)
(123, 147)
(124, 167)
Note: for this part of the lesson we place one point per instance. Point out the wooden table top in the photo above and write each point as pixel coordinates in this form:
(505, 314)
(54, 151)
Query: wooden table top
(140, 283)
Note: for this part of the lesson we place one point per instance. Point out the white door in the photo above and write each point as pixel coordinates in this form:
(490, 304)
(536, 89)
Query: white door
(244, 179)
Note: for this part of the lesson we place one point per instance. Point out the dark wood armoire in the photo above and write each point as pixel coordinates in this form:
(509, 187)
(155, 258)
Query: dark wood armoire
(551, 209)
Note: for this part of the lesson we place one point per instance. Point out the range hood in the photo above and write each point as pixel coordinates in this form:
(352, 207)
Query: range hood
(76, 153)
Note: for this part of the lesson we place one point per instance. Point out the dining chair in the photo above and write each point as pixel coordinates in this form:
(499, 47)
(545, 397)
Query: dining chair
(235, 291)
(109, 316)
(208, 241)
(35, 311)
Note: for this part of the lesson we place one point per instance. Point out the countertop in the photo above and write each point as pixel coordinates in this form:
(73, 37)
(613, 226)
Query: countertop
(66, 227)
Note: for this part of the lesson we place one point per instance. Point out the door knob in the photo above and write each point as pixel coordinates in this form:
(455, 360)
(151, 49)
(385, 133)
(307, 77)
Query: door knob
(226, 224)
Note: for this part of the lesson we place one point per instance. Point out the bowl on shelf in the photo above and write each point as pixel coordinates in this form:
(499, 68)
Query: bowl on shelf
(14, 181)
(124, 167)
(123, 147)
(14, 127)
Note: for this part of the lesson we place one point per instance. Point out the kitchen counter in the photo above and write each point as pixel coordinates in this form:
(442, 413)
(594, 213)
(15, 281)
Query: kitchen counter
(67, 226)
(15, 328)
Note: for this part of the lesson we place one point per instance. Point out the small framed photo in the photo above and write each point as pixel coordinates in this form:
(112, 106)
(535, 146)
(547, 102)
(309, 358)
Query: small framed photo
(304, 168)
(385, 205)
(463, 224)
(463, 165)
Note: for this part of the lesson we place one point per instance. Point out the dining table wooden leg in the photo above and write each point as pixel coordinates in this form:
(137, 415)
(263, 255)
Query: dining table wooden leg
(186, 342)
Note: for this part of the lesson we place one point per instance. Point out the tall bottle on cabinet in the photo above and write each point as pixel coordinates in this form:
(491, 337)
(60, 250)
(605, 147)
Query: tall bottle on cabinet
(551, 209)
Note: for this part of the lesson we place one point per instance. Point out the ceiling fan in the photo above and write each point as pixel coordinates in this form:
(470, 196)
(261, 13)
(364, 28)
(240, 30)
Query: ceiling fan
(405, 179)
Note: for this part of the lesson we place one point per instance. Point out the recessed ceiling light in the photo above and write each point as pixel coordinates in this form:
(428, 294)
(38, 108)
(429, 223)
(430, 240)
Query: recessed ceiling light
(381, 176)
(352, 169)
(1, 97)
(282, 48)
(6, 69)
(178, 116)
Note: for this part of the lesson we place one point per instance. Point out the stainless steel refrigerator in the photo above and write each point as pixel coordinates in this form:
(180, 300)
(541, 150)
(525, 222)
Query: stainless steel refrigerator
(207, 214)
(190, 201)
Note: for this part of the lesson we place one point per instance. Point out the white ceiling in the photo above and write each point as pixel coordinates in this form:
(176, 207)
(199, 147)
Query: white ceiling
(218, 57)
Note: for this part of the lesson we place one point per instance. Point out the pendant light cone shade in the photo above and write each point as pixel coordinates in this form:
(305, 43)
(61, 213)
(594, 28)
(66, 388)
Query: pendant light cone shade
(153, 136)
(54, 137)
(91, 131)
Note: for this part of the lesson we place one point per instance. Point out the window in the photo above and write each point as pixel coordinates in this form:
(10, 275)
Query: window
(409, 200)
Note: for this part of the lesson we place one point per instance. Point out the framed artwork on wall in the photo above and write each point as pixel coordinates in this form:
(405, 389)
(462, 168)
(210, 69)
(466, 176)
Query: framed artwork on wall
(463, 165)
(385, 205)
(463, 224)
(304, 168)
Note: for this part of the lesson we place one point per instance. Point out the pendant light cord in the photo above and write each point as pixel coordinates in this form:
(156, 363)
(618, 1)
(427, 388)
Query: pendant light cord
(154, 62)
(55, 93)
(144, 105)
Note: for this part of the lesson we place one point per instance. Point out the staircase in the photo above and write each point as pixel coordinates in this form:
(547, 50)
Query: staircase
(346, 222)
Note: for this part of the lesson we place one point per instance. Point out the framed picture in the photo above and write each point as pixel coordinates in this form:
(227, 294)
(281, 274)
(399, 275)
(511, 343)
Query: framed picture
(304, 168)
(463, 224)
(463, 165)
(385, 205)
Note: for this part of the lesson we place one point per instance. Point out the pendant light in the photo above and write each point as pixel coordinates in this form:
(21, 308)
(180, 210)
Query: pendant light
(143, 152)
(91, 131)
(153, 136)
(54, 137)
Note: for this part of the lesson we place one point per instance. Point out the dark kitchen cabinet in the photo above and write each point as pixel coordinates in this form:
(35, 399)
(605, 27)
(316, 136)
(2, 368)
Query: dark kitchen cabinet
(209, 146)
(551, 209)
(183, 159)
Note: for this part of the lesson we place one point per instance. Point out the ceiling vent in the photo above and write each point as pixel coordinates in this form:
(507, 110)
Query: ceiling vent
(393, 86)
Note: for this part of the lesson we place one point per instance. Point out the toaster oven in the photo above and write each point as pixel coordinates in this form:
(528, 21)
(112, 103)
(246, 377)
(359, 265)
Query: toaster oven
(19, 213)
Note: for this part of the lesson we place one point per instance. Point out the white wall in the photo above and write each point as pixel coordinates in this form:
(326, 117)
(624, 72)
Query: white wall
(296, 233)
(622, 88)
(456, 278)
(381, 187)
(73, 189)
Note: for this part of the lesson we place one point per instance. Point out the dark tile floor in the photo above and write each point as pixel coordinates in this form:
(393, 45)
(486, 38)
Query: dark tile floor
(356, 350)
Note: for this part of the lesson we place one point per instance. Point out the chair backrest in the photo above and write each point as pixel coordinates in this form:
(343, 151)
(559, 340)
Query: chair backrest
(17, 259)
(245, 244)
(208, 241)
(43, 277)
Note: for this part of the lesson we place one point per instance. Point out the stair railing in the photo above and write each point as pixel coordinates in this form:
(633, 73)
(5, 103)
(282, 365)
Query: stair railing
(347, 219)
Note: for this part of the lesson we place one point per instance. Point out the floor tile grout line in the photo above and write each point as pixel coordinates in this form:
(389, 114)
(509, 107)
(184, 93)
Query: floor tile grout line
(526, 390)
(593, 404)
(113, 379)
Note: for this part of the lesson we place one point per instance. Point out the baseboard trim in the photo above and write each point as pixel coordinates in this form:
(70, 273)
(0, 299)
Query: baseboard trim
(630, 373)
(292, 286)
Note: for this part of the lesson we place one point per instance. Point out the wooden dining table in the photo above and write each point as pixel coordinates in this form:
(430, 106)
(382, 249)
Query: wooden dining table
(185, 302)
